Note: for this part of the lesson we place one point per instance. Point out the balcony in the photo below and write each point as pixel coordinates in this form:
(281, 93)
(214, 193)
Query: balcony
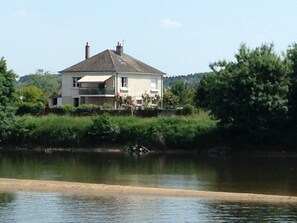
(95, 91)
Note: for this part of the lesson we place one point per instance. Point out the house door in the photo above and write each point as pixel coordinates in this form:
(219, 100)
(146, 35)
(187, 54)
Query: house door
(75, 102)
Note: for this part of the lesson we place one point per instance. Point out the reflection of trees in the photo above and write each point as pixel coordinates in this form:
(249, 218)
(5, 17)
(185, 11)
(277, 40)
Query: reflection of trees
(250, 212)
(158, 170)
(235, 173)
(6, 198)
(256, 174)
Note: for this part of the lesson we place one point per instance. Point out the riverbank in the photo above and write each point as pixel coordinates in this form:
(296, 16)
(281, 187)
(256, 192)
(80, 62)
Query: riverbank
(197, 133)
(94, 190)
(160, 133)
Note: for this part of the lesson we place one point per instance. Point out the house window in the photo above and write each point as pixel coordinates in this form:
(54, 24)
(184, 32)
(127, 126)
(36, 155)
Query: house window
(154, 86)
(154, 101)
(138, 100)
(75, 81)
(124, 82)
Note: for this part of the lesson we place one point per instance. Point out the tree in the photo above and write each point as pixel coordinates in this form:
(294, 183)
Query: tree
(49, 83)
(31, 94)
(170, 99)
(7, 97)
(250, 93)
(291, 58)
(183, 91)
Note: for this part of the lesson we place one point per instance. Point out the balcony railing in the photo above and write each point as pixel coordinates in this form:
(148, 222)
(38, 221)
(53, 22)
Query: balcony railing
(96, 91)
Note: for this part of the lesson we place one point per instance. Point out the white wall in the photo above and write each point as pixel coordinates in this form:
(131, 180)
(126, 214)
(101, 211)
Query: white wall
(138, 84)
(69, 92)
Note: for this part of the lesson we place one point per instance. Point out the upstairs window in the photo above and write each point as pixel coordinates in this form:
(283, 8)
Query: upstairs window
(154, 84)
(124, 83)
(75, 81)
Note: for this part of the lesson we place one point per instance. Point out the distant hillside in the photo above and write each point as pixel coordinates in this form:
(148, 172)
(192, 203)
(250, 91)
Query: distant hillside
(191, 79)
(47, 82)
(32, 79)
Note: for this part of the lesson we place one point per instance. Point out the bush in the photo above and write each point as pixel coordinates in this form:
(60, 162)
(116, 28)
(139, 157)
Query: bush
(187, 109)
(63, 109)
(86, 109)
(21, 131)
(103, 129)
(107, 106)
(25, 108)
(71, 131)
(58, 131)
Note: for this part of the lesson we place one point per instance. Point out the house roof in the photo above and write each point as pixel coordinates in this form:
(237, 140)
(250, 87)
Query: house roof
(110, 61)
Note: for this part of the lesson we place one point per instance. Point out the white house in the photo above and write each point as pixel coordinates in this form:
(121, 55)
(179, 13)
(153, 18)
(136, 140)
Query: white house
(100, 78)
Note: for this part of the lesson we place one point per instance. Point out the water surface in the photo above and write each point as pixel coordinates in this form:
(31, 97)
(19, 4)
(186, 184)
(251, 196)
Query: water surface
(39, 207)
(242, 173)
(256, 174)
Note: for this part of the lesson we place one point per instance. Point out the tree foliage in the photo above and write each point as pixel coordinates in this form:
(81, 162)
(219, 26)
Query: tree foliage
(250, 93)
(49, 83)
(7, 97)
(191, 79)
(291, 59)
(184, 93)
(170, 99)
(30, 94)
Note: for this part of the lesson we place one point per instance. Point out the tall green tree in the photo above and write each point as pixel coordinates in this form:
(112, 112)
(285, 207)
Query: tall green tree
(291, 57)
(7, 97)
(183, 91)
(250, 93)
(170, 99)
(30, 94)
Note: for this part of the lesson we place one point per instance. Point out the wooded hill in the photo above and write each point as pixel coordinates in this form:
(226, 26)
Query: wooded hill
(191, 79)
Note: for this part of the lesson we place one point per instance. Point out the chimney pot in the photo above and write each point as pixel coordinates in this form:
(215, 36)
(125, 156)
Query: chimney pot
(87, 51)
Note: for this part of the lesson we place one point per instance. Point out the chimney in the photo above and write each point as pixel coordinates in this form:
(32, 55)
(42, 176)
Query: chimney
(119, 49)
(87, 51)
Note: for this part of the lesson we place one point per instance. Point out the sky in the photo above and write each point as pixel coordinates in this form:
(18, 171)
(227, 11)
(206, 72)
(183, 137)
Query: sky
(178, 37)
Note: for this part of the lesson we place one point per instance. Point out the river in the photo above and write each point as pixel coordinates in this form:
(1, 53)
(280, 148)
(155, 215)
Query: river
(255, 173)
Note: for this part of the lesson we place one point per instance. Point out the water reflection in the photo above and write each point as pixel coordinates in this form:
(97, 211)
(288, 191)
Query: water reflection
(42, 207)
(260, 174)
(6, 199)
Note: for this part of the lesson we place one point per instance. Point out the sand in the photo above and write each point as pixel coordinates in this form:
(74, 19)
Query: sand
(95, 190)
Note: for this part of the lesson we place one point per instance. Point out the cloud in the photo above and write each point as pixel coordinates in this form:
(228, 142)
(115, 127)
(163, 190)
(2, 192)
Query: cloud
(171, 23)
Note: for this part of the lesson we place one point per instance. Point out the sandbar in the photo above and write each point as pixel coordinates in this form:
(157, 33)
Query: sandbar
(95, 190)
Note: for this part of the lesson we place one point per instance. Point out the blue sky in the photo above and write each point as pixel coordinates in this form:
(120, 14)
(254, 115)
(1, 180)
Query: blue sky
(177, 37)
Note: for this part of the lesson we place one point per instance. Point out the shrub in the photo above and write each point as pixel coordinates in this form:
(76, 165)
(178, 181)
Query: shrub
(71, 131)
(107, 106)
(187, 109)
(103, 129)
(63, 109)
(87, 109)
(52, 130)
(25, 108)
(69, 109)
(22, 131)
